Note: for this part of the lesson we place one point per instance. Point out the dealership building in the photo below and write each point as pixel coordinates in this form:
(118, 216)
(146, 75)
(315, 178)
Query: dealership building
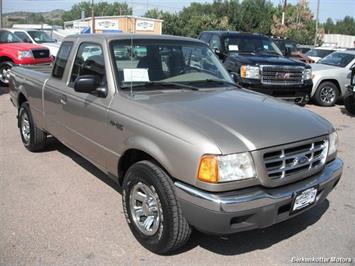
(127, 24)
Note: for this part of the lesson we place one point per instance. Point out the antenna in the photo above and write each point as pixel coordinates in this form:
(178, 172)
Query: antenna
(131, 63)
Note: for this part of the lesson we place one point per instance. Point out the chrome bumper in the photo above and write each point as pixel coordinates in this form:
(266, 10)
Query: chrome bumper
(250, 208)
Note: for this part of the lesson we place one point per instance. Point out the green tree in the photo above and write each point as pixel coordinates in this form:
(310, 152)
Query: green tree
(101, 9)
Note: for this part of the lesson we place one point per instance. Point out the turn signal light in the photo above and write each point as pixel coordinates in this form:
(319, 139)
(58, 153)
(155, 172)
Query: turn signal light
(243, 71)
(208, 169)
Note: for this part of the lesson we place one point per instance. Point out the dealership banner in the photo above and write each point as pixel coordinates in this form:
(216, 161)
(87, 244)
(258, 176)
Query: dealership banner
(144, 25)
(106, 24)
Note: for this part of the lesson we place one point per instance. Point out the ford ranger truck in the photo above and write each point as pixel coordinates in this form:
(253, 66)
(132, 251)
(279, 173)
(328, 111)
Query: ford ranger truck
(256, 63)
(14, 51)
(189, 148)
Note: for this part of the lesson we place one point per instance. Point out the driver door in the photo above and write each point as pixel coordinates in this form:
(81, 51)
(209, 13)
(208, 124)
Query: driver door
(83, 114)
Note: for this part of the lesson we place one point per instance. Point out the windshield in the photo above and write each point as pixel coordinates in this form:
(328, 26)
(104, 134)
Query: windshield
(319, 52)
(337, 59)
(8, 37)
(40, 36)
(253, 44)
(166, 62)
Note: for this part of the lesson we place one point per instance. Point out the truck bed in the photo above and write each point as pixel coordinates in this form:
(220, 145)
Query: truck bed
(43, 68)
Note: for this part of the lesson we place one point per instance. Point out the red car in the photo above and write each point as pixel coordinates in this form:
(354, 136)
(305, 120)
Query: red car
(13, 51)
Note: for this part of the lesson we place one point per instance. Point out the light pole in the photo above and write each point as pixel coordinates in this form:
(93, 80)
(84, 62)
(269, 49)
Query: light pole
(92, 17)
(0, 13)
(283, 12)
(317, 21)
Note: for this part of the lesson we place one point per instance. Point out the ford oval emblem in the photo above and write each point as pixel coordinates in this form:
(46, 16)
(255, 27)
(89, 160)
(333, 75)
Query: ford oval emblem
(302, 160)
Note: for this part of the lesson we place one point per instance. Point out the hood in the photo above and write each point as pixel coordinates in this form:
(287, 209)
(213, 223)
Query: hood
(266, 60)
(21, 46)
(322, 67)
(235, 120)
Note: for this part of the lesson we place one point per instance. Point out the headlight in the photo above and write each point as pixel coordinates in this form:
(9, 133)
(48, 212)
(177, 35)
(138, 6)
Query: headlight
(353, 80)
(224, 168)
(307, 74)
(24, 54)
(333, 143)
(250, 72)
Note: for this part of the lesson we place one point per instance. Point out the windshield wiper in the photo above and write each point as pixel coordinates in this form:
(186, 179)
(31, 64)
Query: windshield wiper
(215, 81)
(151, 85)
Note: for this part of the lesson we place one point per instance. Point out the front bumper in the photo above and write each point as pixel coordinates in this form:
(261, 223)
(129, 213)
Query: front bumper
(296, 93)
(255, 207)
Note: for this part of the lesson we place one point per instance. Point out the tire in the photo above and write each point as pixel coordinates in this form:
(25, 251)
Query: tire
(349, 102)
(169, 230)
(33, 138)
(327, 94)
(4, 82)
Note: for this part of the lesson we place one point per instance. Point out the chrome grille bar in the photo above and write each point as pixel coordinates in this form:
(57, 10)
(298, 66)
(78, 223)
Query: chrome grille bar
(282, 163)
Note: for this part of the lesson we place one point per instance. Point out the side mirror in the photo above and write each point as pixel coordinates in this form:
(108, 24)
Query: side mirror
(288, 51)
(89, 84)
(218, 53)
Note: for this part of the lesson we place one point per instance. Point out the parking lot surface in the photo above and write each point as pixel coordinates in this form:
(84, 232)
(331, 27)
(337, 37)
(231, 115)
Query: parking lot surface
(56, 208)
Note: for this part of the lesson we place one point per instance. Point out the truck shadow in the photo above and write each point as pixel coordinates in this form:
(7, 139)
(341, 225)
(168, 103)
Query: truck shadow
(53, 144)
(345, 112)
(235, 244)
(4, 90)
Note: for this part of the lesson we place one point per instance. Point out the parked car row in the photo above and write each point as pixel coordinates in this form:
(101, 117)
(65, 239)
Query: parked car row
(258, 64)
(189, 147)
(13, 51)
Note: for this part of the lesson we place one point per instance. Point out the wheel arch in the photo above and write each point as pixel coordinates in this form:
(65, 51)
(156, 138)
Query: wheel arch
(132, 156)
(5, 59)
(334, 81)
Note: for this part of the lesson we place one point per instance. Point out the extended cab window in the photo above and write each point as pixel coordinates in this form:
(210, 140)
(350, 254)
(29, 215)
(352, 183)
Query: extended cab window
(89, 61)
(61, 59)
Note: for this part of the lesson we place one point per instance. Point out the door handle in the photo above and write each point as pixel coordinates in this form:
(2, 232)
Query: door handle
(63, 99)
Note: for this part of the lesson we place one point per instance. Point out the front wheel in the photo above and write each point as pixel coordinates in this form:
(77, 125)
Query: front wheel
(4, 67)
(152, 210)
(349, 102)
(326, 94)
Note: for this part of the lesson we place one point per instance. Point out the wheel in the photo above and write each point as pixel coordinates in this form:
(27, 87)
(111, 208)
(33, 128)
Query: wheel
(327, 94)
(4, 67)
(152, 210)
(32, 137)
(349, 103)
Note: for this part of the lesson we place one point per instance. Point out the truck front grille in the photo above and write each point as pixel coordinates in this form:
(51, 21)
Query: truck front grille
(281, 75)
(296, 159)
(40, 53)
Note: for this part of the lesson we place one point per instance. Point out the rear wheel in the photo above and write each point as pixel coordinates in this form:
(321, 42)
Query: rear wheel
(152, 210)
(33, 138)
(349, 102)
(327, 94)
(4, 67)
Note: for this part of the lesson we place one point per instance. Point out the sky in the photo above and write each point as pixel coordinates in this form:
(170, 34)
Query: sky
(335, 9)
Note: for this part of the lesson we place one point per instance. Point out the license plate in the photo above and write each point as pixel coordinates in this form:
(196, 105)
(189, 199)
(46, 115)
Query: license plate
(304, 199)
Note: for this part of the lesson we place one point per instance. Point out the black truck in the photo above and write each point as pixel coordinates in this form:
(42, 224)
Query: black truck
(256, 63)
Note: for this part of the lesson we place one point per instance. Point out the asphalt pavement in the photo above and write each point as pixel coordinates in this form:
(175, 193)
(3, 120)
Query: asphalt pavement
(56, 208)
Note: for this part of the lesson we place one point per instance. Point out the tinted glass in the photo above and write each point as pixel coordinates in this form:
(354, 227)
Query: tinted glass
(337, 59)
(23, 36)
(319, 52)
(205, 37)
(8, 37)
(89, 61)
(250, 44)
(61, 59)
(40, 36)
(215, 42)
